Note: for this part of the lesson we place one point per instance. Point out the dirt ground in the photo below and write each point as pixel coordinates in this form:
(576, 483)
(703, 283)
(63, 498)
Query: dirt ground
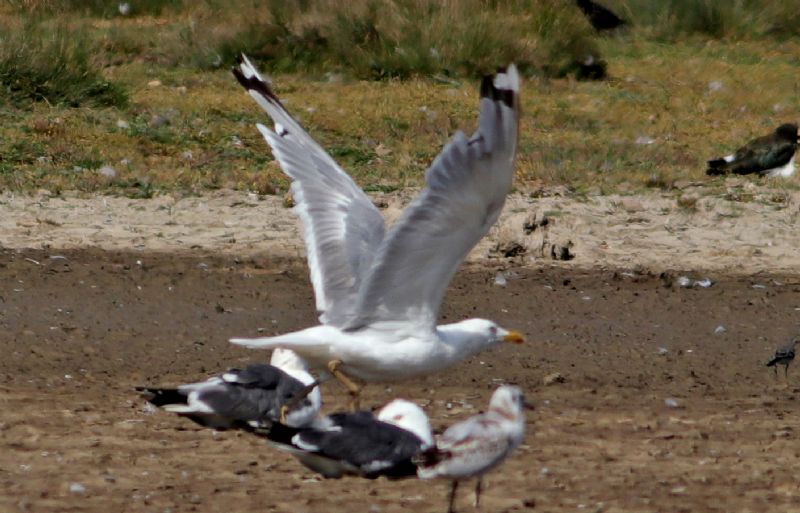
(660, 409)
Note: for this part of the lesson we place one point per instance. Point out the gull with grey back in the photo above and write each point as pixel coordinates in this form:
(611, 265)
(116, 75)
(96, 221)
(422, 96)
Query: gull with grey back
(379, 291)
(478, 444)
(282, 391)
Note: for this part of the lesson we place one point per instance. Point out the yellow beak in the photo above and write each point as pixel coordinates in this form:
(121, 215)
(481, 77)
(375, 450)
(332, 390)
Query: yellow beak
(514, 337)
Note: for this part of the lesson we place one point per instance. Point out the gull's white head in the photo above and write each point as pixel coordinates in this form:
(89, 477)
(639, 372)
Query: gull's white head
(407, 415)
(484, 333)
(507, 400)
(286, 359)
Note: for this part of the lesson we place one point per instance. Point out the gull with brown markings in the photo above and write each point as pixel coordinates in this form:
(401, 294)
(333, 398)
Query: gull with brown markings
(378, 290)
(478, 444)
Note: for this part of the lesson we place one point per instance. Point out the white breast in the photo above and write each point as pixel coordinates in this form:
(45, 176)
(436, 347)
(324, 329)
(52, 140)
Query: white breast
(785, 171)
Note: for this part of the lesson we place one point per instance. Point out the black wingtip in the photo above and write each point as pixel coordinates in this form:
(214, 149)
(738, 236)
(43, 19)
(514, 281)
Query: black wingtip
(489, 90)
(430, 457)
(252, 83)
(161, 396)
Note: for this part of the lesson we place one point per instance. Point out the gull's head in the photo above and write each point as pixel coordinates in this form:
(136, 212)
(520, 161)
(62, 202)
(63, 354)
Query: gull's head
(286, 359)
(509, 402)
(490, 333)
(407, 415)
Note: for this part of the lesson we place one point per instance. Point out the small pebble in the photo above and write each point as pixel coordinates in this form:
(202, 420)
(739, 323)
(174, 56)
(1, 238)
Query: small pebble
(553, 378)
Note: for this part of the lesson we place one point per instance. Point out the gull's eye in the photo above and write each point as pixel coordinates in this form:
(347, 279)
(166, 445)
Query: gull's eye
(397, 417)
(493, 330)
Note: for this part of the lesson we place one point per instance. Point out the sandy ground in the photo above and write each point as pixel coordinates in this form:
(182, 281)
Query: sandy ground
(665, 404)
(739, 226)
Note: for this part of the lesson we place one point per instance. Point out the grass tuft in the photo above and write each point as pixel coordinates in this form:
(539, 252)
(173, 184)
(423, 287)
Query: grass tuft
(670, 20)
(387, 39)
(53, 65)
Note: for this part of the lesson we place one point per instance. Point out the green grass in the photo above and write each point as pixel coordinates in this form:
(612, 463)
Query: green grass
(173, 119)
(53, 65)
(671, 20)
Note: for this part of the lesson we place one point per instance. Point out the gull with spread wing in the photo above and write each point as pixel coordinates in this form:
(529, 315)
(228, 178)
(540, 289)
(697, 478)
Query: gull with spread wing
(378, 291)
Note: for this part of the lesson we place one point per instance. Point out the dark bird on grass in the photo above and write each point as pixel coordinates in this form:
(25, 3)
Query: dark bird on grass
(478, 444)
(591, 68)
(784, 356)
(771, 155)
(602, 18)
(260, 393)
(359, 443)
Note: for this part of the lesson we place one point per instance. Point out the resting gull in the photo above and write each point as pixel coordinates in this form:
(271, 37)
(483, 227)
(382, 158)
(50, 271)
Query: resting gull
(359, 443)
(260, 394)
(478, 444)
(379, 292)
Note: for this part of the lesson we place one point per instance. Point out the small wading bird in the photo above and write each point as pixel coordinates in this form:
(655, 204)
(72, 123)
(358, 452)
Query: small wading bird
(783, 356)
(475, 446)
(771, 155)
(282, 391)
(359, 443)
(379, 292)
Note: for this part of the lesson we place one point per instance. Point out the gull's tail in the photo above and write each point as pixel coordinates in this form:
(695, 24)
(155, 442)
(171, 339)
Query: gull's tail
(773, 361)
(188, 403)
(717, 167)
(307, 343)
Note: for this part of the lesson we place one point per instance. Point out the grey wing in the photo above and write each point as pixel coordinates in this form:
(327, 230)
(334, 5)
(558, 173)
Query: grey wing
(473, 446)
(466, 188)
(342, 228)
(252, 394)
